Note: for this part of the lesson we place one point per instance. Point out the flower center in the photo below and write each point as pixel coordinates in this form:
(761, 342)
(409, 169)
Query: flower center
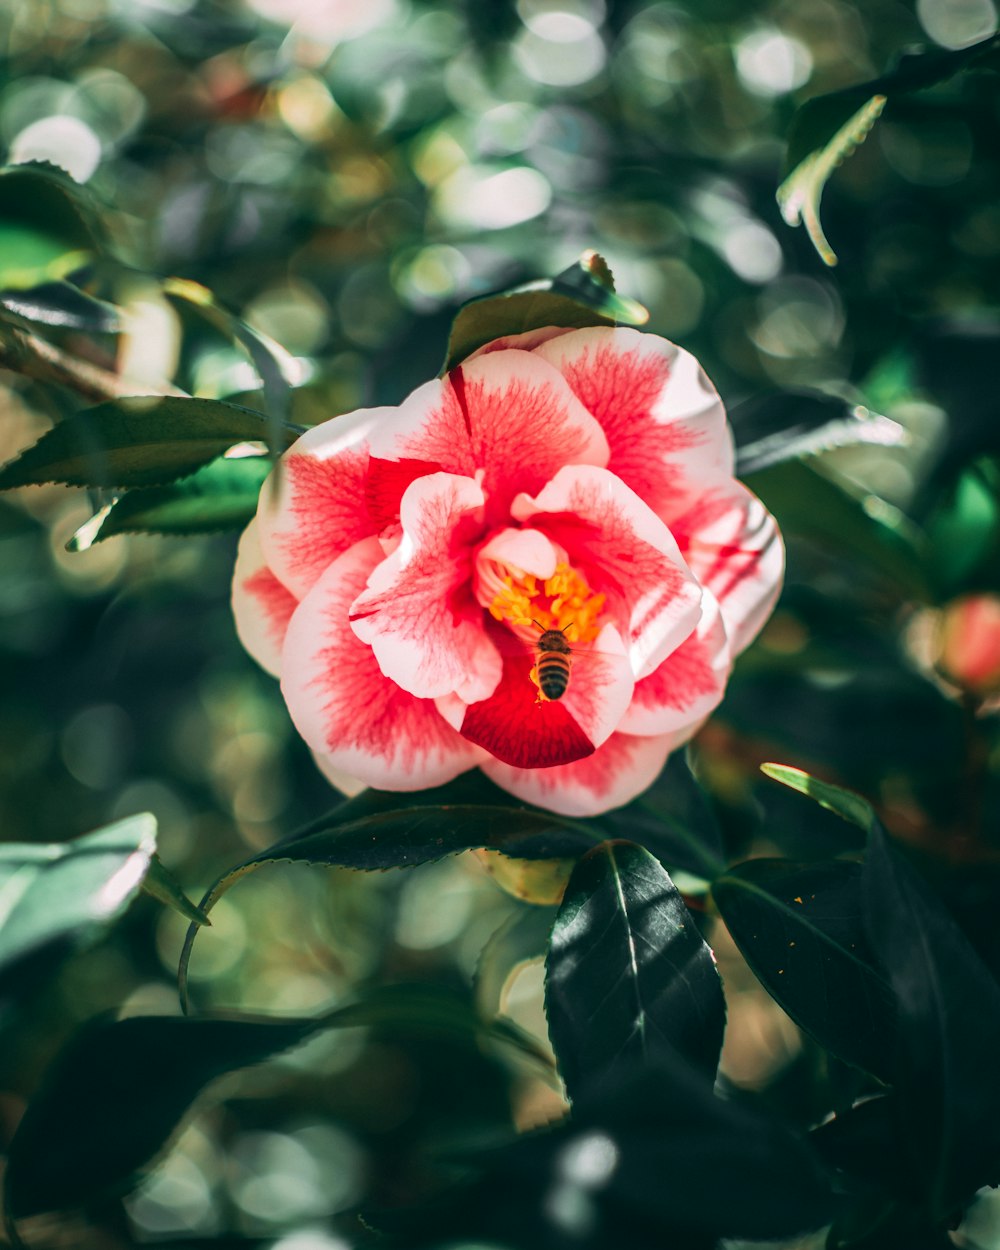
(563, 601)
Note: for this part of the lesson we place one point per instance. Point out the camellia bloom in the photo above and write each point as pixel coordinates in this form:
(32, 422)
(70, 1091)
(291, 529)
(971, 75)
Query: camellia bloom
(405, 565)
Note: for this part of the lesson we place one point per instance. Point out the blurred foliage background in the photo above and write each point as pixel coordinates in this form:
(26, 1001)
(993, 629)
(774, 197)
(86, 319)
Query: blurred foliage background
(342, 174)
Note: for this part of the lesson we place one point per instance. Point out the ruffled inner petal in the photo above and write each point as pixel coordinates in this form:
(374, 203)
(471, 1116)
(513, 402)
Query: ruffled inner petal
(418, 613)
(625, 552)
(352, 716)
(688, 684)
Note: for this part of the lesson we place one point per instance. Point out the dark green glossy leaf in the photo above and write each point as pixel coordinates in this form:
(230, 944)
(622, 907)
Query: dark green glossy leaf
(583, 295)
(673, 820)
(61, 304)
(134, 442)
(628, 975)
(222, 495)
(382, 829)
(809, 505)
(114, 1096)
(48, 225)
(59, 896)
(800, 928)
(786, 425)
(949, 1005)
(656, 1161)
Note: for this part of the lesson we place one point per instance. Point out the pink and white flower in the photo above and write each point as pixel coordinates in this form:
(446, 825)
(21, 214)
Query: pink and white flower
(404, 563)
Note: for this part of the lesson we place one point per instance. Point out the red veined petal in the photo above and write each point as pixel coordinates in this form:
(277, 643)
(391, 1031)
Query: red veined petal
(688, 685)
(262, 606)
(417, 612)
(349, 713)
(625, 552)
(663, 419)
(734, 548)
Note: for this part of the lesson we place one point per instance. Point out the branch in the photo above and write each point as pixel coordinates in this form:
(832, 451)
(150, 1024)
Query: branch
(25, 353)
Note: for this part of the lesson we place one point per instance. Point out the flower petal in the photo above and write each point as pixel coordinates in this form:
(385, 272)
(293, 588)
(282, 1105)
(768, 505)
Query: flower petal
(625, 552)
(664, 422)
(417, 613)
(347, 711)
(508, 414)
(734, 548)
(517, 726)
(688, 684)
(312, 508)
(622, 768)
(262, 606)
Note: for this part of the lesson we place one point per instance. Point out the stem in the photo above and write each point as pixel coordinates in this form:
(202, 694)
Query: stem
(25, 353)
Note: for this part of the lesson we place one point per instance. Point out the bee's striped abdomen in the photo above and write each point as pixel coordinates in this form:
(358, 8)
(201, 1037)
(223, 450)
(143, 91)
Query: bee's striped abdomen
(552, 665)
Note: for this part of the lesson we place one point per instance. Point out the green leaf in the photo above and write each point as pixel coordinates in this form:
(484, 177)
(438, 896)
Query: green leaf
(48, 225)
(273, 365)
(948, 1085)
(144, 441)
(800, 194)
(222, 495)
(809, 505)
(162, 885)
(844, 803)
(828, 128)
(56, 897)
(800, 928)
(64, 305)
(786, 425)
(582, 295)
(628, 975)
(380, 829)
(113, 1097)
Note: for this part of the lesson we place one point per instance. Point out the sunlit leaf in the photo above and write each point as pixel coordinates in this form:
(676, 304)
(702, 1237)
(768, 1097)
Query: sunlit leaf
(827, 128)
(49, 225)
(64, 305)
(222, 495)
(582, 295)
(800, 194)
(113, 1097)
(844, 803)
(143, 441)
(628, 975)
(55, 897)
(800, 928)
(786, 425)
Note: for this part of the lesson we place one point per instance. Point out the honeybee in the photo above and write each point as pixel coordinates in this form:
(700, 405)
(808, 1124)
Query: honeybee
(552, 662)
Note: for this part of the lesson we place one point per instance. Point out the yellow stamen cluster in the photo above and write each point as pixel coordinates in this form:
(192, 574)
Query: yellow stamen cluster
(563, 601)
